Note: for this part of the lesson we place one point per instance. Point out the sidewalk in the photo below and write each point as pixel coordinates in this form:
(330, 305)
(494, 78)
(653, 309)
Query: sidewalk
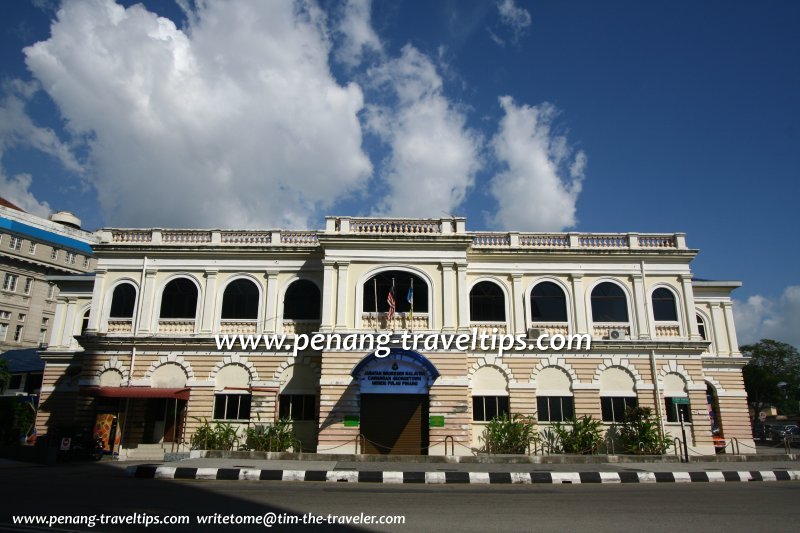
(762, 469)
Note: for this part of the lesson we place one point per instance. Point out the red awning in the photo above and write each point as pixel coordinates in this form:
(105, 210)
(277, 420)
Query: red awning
(135, 392)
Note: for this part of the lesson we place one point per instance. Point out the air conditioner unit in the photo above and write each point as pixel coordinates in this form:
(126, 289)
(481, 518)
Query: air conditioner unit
(535, 333)
(616, 334)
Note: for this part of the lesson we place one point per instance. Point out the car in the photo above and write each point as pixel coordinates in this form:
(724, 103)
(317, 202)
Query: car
(780, 431)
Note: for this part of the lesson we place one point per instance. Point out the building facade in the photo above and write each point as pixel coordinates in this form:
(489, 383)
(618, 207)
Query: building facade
(151, 362)
(31, 249)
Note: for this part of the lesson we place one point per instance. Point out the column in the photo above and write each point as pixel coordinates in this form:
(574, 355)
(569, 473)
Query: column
(97, 301)
(449, 306)
(327, 296)
(271, 302)
(691, 314)
(578, 304)
(727, 309)
(209, 298)
(341, 294)
(146, 301)
(462, 295)
(69, 322)
(518, 301)
(57, 331)
(639, 301)
(717, 323)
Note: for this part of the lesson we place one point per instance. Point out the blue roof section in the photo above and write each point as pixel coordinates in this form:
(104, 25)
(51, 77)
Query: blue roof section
(26, 360)
(44, 235)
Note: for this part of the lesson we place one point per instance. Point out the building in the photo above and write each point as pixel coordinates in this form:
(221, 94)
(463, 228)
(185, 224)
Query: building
(26, 369)
(31, 249)
(150, 364)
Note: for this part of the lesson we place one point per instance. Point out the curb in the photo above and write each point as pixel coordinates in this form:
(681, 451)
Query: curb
(439, 478)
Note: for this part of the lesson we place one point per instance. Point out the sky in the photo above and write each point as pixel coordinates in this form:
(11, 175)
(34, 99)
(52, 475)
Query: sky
(530, 116)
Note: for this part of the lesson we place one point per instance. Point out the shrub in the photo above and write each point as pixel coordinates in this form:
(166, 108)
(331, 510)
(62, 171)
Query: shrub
(509, 435)
(220, 436)
(279, 437)
(640, 433)
(578, 435)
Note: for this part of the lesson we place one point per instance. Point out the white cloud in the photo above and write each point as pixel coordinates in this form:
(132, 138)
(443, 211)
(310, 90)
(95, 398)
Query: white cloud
(17, 191)
(764, 318)
(542, 180)
(516, 18)
(434, 156)
(357, 32)
(235, 121)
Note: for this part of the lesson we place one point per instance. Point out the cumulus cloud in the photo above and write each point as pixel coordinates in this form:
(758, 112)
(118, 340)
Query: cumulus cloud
(434, 155)
(541, 180)
(515, 18)
(17, 191)
(358, 36)
(233, 121)
(763, 318)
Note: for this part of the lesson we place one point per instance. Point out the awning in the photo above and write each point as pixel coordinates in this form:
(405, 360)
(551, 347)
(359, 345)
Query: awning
(135, 392)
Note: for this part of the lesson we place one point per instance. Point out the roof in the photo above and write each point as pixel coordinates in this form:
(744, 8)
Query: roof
(43, 235)
(6, 203)
(25, 360)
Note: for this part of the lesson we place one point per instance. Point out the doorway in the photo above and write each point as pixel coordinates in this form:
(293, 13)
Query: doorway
(395, 424)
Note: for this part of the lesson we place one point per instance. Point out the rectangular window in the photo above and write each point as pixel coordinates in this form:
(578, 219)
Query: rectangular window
(70, 258)
(18, 333)
(298, 406)
(15, 243)
(45, 321)
(555, 408)
(15, 382)
(485, 408)
(42, 336)
(32, 248)
(22, 317)
(28, 285)
(54, 254)
(5, 315)
(3, 331)
(85, 261)
(232, 406)
(614, 407)
(10, 282)
(674, 408)
(51, 292)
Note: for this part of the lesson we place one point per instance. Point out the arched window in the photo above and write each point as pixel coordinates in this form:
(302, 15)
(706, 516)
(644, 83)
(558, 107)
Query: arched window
(701, 327)
(240, 300)
(609, 303)
(487, 302)
(489, 394)
(548, 303)
(378, 286)
(179, 299)
(302, 301)
(554, 402)
(664, 306)
(85, 322)
(123, 301)
(617, 393)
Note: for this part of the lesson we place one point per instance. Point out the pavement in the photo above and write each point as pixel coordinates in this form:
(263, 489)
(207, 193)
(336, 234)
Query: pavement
(753, 468)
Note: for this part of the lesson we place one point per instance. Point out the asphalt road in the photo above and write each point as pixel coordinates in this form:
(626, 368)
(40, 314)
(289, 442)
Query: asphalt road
(91, 489)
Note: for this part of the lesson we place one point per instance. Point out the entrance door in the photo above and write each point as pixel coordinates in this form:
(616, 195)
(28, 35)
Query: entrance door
(395, 424)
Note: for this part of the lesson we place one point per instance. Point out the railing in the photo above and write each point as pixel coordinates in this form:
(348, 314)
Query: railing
(668, 330)
(131, 236)
(580, 241)
(551, 328)
(489, 240)
(120, 325)
(395, 226)
(180, 326)
(380, 321)
(295, 327)
(603, 331)
(544, 240)
(246, 237)
(237, 326)
(299, 238)
(186, 237)
(490, 328)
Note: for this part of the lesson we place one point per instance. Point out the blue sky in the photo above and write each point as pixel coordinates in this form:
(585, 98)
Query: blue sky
(592, 116)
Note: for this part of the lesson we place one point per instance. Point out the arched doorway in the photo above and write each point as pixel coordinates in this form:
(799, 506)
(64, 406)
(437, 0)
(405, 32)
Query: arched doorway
(394, 402)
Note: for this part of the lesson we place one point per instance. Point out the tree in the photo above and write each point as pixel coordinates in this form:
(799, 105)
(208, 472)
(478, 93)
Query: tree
(772, 376)
(5, 375)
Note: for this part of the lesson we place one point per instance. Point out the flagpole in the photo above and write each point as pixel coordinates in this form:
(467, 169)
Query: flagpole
(411, 314)
(395, 299)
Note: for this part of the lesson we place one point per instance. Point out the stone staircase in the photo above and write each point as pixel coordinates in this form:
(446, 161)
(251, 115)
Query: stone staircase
(147, 452)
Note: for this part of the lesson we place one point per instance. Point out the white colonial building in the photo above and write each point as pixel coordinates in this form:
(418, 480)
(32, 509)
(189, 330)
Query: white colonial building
(148, 361)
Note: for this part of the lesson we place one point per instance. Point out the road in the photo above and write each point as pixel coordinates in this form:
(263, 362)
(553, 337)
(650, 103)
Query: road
(90, 489)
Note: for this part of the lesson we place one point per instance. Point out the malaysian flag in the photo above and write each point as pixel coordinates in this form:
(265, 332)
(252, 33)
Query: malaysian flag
(390, 300)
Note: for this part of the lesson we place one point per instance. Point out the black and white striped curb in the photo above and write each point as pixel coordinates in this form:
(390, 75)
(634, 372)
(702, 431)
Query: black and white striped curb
(433, 478)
